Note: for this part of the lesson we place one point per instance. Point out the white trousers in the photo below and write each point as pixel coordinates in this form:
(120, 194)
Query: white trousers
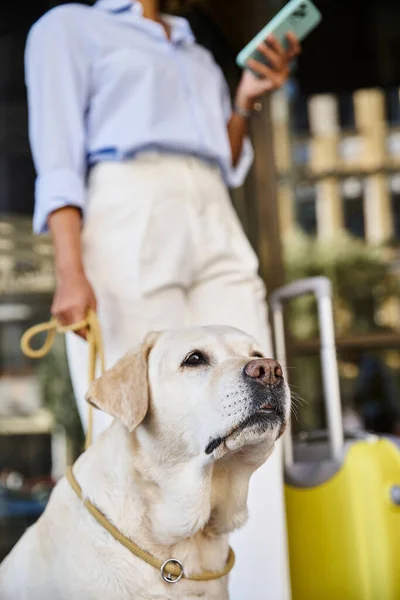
(163, 248)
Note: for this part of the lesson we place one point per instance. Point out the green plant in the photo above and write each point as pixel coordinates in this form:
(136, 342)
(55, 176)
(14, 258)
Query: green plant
(361, 276)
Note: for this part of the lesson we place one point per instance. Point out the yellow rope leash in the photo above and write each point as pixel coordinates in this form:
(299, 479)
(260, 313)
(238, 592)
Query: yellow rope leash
(95, 344)
(171, 570)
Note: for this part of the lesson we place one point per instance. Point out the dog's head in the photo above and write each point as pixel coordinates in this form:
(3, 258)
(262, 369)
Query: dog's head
(205, 391)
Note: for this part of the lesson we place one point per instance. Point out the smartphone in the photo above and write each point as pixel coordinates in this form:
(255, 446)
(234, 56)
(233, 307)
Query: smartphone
(298, 16)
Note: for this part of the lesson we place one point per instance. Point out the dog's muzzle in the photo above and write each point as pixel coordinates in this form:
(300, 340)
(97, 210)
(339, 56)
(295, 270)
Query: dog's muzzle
(264, 378)
(265, 384)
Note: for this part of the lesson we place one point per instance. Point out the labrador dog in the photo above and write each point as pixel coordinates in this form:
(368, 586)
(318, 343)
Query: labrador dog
(197, 411)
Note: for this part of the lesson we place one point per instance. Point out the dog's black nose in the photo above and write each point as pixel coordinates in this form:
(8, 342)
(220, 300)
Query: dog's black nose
(266, 370)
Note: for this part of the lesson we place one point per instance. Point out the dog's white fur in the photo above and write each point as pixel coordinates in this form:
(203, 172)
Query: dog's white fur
(150, 474)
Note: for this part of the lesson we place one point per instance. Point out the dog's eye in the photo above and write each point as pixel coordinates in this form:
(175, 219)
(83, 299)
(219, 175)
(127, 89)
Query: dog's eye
(195, 359)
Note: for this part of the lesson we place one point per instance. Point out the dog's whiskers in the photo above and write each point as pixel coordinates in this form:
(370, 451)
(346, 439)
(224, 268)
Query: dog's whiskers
(294, 411)
(299, 400)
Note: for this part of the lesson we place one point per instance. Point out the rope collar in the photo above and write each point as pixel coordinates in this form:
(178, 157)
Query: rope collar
(171, 570)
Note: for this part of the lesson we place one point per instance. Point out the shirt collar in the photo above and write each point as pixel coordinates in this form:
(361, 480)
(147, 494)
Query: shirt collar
(120, 6)
(181, 32)
(180, 29)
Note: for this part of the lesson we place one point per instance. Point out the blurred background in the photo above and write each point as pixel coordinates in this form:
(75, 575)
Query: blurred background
(323, 198)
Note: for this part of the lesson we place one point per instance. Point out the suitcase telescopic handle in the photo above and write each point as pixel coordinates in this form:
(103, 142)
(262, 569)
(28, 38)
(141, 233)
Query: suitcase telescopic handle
(321, 288)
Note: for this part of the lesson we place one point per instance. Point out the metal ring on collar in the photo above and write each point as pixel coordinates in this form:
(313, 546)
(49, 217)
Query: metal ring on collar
(167, 576)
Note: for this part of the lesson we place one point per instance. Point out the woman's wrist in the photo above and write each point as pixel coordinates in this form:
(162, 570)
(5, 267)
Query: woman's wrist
(68, 260)
(69, 272)
(242, 102)
(245, 106)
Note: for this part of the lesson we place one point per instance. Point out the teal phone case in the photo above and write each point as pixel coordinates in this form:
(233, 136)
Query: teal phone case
(298, 16)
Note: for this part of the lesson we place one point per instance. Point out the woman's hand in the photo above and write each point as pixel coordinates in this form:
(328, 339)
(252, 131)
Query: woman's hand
(270, 78)
(73, 298)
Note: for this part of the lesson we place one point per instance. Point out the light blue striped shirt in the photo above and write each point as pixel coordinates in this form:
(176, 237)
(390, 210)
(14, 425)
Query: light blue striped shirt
(104, 83)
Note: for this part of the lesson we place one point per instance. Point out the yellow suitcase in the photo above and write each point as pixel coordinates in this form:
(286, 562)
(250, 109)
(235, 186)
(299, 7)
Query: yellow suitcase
(342, 493)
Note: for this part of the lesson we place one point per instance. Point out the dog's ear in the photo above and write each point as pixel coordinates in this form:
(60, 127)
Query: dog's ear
(123, 390)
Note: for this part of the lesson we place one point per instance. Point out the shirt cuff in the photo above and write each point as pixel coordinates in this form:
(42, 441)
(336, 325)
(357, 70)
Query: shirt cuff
(55, 190)
(238, 174)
